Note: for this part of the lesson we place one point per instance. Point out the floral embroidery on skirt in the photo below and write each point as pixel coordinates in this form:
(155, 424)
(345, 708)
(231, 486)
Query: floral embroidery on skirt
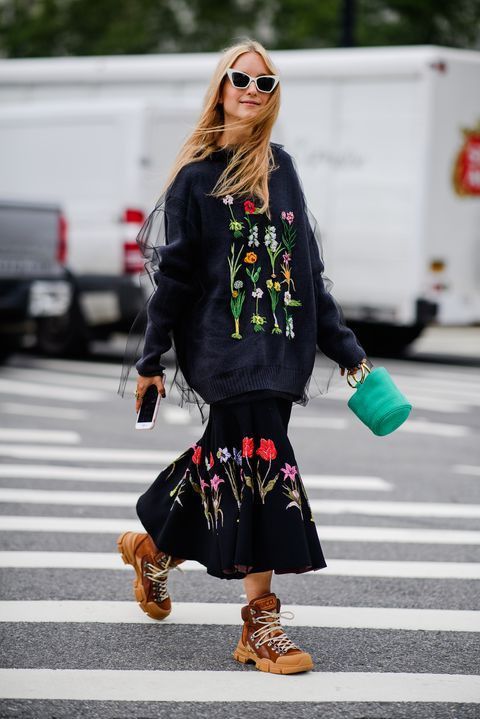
(235, 500)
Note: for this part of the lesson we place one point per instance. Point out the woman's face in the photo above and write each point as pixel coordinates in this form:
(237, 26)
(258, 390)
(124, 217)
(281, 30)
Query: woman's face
(239, 104)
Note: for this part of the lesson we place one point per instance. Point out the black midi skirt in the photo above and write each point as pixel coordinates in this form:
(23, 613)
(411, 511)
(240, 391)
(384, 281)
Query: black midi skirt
(235, 501)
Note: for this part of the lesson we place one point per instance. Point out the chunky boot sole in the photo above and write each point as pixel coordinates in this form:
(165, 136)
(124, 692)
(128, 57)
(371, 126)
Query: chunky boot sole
(284, 665)
(127, 550)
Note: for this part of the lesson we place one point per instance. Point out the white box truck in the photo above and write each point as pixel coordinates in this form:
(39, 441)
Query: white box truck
(387, 142)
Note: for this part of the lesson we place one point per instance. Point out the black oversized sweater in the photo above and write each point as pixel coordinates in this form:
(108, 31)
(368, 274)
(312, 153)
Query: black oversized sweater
(242, 295)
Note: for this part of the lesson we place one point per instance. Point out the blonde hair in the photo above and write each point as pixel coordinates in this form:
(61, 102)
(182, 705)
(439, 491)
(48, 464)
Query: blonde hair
(252, 160)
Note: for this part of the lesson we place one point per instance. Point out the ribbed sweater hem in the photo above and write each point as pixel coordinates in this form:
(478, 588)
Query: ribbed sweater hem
(244, 379)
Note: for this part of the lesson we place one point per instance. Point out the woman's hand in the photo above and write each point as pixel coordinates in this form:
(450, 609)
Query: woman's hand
(354, 370)
(143, 383)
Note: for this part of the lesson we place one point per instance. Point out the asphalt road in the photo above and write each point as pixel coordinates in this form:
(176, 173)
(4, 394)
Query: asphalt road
(392, 623)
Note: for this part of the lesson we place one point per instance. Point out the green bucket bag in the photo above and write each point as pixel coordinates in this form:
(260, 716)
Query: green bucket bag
(377, 401)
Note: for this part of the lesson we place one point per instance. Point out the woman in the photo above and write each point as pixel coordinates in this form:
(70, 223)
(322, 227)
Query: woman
(239, 283)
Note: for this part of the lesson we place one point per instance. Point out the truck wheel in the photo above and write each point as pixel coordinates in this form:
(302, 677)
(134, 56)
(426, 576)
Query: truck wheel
(64, 336)
(385, 340)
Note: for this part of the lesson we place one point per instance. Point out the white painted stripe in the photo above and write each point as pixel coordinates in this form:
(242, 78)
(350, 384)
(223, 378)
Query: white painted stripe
(441, 620)
(35, 410)
(108, 369)
(340, 533)
(89, 454)
(103, 499)
(339, 481)
(40, 496)
(140, 476)
(394, 509)
(67, 380)
(336, 567)
(235, 686)
(52, 392)
(85, 474)
(39, 435)
(175, 415)
(318, 422)
(435, 428)
(466, 469)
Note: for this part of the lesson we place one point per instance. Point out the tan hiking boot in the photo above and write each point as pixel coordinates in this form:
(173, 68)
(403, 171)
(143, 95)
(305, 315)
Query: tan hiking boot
(264, 642)
(151, 569)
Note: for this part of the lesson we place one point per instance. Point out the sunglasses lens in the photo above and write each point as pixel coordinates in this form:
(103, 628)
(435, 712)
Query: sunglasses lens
(265, 83)
(239, 79)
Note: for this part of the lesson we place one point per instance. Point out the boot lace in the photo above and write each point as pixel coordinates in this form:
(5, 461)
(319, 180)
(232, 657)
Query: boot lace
(271, 623)
(158, 575)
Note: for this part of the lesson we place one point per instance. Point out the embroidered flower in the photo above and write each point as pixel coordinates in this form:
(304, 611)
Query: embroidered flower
(270, 235)
(209, 464)
(289, 328)
(250, 258)
(223, 454)
(273, 245)
(238, 284)
(237, 455)
(203, 484)
(288, 216)
(267, 449)
(228, 200)
(236, 226)
(276, 286)
(258, 292)
(269, 284)
(197, 455)
(286, 257)
(253, 237)
(249, 207)
(287, 297)
(247, 446)
(289, 471)
(235, 293)
(215, 481)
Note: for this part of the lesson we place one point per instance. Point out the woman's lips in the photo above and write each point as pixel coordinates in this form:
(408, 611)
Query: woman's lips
(249, 102)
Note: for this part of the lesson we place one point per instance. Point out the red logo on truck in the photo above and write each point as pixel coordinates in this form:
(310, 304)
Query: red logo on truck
(466, 171)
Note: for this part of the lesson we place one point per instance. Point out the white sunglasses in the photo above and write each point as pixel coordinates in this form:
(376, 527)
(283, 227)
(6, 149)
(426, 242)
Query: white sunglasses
(263, 83)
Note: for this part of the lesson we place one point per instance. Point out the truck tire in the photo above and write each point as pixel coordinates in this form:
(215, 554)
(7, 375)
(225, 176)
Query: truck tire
(385, 340)
(64, 336)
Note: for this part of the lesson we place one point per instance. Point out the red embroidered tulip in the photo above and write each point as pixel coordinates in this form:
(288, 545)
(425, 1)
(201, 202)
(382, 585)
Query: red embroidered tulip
(247, 446)
(197, 455)
(267, 449)
(249, 207)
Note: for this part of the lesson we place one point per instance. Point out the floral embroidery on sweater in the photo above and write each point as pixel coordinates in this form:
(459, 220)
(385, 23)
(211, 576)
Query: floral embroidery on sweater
(243, 261)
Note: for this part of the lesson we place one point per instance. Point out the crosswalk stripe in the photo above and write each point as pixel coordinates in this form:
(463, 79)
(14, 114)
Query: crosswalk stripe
(394, 509)
(95, 474)
(69, 394)
(35, 410)
(417, 426)
(336, 567)
(89, 454)
(108, 384)
(333, 533)
(106, 612)
(320, 506)
(472, 470)
(236, 686)
(11, 434)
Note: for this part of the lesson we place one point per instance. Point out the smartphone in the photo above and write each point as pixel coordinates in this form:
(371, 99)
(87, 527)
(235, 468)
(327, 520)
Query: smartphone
(147, 413)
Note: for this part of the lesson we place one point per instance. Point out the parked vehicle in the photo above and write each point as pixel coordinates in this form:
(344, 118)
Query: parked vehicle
(387, 143)
(37, 293)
